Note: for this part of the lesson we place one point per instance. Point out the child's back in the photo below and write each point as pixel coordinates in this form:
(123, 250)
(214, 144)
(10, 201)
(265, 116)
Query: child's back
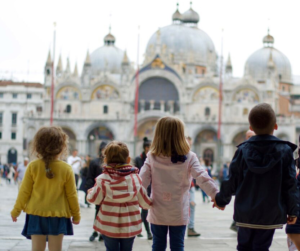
(263, 180)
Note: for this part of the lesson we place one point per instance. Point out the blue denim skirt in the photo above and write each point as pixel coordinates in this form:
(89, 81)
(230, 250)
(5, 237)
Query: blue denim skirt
(37, 225)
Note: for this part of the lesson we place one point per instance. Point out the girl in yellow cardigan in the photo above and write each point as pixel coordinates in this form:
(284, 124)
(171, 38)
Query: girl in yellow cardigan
(48, 193)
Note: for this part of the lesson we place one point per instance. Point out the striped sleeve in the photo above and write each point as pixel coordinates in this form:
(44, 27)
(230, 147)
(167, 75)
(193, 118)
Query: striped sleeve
(144, 201)
(95, 196)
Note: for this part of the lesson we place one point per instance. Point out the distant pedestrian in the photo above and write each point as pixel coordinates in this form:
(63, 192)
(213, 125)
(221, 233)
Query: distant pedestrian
(21, 171)
(10, 174)
(119, 193)
(48, 194)
(170, 167)
(263, 179)
(95, 169)
(75, 162)
(83, 174)
(207, 167)
(139, 162)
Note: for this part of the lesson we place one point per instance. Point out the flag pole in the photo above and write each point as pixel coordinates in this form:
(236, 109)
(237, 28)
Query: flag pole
(53, 75)
(136, 101)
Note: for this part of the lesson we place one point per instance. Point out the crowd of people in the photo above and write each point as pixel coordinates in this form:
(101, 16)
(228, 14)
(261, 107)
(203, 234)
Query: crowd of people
(161, 181)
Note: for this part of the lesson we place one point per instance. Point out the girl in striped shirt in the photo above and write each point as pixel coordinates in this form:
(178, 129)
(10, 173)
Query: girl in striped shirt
(119, 192)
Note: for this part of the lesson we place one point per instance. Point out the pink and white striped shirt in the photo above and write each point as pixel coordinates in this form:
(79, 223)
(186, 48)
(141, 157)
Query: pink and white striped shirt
(119, 192)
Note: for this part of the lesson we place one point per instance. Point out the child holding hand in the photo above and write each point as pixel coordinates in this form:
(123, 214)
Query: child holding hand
(170, 167)
(119, 192)
(48, 194)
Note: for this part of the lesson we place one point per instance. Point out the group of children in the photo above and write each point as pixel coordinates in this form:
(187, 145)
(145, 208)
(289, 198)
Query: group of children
(262, 177)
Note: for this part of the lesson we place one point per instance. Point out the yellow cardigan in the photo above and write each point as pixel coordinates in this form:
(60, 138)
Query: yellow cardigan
(45, 197)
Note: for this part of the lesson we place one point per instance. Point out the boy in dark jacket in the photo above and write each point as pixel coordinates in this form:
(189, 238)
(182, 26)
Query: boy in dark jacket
(262, 177)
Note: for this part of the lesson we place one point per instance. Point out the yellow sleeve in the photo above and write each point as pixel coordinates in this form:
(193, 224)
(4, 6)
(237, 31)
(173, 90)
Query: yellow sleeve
(71, 193)
(24, 193)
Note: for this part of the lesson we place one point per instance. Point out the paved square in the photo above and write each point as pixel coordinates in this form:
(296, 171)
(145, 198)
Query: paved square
(211, 223)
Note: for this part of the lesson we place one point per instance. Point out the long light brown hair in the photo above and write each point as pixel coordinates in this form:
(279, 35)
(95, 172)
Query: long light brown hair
(169, 138)
(50, 143)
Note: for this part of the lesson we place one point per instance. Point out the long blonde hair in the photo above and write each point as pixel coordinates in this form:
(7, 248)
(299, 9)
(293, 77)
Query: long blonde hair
(169, 138)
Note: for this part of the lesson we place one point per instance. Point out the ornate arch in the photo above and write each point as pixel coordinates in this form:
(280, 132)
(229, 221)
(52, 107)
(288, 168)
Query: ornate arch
(68, 92)
(246, 94)
(206, 93)
(105, 92)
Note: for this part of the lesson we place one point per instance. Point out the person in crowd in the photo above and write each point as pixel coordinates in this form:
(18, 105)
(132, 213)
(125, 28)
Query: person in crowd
(139, 162)
(1, 173)
(249, 134)
(191, 225)
(119, 192)
(207, 167)
(83, 175)
(95, 169)
(48, 194)
(170, 167)
(262, 176)
(293, 231)
(11, 173)
(75, 162)
(21, 171)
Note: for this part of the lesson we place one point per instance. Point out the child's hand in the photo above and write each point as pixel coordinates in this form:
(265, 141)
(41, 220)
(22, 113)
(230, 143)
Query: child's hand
(14, 219)
(291, 220)
(75, 222)
(215, 205)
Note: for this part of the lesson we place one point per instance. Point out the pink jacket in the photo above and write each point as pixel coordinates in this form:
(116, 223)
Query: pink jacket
(170, 187)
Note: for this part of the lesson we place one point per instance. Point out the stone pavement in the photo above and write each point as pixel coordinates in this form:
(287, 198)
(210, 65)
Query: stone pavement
(211, 223)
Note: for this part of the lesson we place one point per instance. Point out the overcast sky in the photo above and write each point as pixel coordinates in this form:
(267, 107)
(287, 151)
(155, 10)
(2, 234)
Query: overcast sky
(26, 28)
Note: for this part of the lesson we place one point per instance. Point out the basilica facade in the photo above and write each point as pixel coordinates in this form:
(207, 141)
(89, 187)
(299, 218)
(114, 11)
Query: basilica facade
(180, 76)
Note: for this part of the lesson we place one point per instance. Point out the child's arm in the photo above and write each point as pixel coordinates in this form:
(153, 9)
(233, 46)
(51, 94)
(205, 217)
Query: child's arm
(145, 173)
(95, 194)
(24, 194)
(72, 198)
(202, 178)
(289, 184)
(229, 186)
(144, 201)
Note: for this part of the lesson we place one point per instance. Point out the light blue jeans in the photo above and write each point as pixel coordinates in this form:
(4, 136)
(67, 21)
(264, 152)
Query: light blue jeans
(192, 208)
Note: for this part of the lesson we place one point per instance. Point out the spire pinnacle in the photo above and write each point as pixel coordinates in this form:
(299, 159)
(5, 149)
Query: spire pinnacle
(271, 63)
(228, 64)
(125, 58)
(68, 70)
(75, 73)
(49, 60)
(59, 67)
(87, 58)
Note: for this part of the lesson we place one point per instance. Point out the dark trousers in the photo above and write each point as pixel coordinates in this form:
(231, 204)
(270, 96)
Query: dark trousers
(160, 237)
(118, 244)
(144, 214)
(250, 239)
(76, 180)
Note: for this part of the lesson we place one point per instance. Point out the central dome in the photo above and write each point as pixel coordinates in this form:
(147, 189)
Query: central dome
(183, 41)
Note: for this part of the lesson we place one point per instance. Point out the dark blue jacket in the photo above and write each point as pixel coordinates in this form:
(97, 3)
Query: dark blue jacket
(262, 175)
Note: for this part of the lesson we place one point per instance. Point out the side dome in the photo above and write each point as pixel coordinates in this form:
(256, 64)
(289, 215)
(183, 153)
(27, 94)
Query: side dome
(258, 64)
(190, 16)
(181, 42)
(108, 57)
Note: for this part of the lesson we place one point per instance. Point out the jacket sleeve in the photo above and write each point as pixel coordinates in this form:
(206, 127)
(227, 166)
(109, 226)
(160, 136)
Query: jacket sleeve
(289, 184)
(145, 173)
(24, 193)
(72, 197)
(205, 182)
(91, 175)
(229, 186)
(96, 195)
(144, 201)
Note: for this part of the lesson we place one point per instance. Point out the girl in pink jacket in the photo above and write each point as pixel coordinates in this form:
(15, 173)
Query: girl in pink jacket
(170, 167)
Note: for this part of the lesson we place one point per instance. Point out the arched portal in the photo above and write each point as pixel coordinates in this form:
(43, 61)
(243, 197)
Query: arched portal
(158, 94)
(72, 138)
(96, 136)
(206, 144)
(239, 138)
(12, 156)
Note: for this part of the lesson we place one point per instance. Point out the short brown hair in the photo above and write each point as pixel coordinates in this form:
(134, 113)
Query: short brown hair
(116, 152)
(49, 143)
(262, 119)
(169, 138)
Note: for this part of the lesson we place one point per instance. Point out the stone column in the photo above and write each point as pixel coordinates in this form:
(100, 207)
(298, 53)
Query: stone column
(152, 104)
(162, 106)
(171, 105)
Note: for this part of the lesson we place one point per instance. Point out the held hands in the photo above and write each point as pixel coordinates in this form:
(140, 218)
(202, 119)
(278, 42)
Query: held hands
(14, 219)
(215, 205)
(291, 220)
